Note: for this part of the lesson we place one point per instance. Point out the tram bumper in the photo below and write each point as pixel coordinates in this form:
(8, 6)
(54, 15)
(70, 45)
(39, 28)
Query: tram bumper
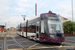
(44, 38)
(56, 39)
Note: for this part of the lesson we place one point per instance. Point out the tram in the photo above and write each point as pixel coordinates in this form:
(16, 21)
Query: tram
(46, 27)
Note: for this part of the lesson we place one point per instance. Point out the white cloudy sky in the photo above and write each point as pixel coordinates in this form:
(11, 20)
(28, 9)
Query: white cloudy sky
(11, 13)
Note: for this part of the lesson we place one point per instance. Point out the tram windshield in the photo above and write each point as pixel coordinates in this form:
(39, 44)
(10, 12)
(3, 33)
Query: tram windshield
(55, 26)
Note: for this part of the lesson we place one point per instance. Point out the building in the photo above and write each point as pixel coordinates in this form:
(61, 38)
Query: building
(12, 28)
(2, 29)
(63, 19)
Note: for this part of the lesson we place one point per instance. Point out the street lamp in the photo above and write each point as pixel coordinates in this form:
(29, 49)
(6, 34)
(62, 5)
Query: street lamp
(23, 17)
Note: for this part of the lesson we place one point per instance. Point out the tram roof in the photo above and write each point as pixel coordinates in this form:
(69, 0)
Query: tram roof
(29, 19)
(34, 17)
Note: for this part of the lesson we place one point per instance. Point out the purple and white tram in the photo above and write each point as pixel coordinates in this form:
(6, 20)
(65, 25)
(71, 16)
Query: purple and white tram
(44, 28)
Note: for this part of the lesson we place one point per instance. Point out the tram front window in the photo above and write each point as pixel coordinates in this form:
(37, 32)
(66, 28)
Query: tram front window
(54, 27)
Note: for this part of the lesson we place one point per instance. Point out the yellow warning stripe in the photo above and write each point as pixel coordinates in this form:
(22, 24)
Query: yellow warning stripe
(16, 49)
(61, 44)
(34, 45)
(40, 47)
(11, 44)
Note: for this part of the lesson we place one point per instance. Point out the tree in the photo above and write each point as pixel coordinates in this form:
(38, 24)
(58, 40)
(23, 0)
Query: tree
(2, 26)
(69, 27)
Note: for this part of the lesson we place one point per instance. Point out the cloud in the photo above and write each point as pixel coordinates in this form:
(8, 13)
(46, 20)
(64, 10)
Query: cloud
(23, 3)
(20, 7)
(11, 21)
(64, 8)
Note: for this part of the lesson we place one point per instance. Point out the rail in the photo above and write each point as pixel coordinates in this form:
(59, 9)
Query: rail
(4, 41)
(17, 42)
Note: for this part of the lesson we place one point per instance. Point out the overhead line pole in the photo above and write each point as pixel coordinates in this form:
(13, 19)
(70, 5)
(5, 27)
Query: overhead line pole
(72, 13)
(72, 10)
(23, 17)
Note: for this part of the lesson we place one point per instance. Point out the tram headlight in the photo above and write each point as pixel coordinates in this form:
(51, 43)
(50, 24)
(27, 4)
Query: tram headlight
(51, 35)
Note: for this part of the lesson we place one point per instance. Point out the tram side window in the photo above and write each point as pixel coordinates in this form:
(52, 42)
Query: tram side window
(33, 28)
(42, 26)
(24, 29)
(29, 28)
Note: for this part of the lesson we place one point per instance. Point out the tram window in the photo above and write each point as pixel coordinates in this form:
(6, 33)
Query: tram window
(29, 28)
(42, 26)
(24, 29)
(33, 28)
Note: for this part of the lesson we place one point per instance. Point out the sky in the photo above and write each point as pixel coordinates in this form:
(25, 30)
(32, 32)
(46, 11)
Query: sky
(11, 11)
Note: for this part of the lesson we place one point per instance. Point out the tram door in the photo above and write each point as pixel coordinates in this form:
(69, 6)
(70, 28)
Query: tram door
(37, 29)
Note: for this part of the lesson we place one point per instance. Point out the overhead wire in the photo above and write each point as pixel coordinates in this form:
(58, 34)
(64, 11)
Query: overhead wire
(33, 7)
(10, 9)
(26, 11)
(41, 2)
(11, 6)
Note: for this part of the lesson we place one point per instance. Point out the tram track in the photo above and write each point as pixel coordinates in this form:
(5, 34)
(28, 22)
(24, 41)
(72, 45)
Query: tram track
(11, 43)
(17, 42)
(4, 44)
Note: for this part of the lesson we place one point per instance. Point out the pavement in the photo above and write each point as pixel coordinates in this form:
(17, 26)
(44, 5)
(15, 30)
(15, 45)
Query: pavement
(16, 42)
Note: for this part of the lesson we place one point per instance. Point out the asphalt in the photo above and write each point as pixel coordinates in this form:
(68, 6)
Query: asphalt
(70, 40)
(68, 44)
(32, 45)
